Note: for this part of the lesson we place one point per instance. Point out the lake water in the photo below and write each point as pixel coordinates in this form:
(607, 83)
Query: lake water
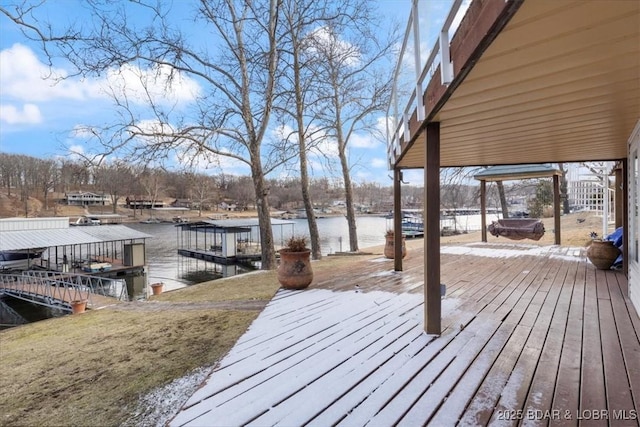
(176, 271)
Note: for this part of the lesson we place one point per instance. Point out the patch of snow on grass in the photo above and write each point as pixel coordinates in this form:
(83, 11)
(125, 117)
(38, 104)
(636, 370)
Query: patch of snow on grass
(160, 405)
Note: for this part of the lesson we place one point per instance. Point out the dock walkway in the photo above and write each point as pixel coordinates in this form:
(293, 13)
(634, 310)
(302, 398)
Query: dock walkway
(531, 335)
(59, 290)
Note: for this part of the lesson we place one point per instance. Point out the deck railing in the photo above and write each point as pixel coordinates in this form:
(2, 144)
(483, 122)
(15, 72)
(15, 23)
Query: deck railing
(407, 88)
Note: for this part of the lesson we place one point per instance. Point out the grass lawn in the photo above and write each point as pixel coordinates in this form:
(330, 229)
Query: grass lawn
(93, 368)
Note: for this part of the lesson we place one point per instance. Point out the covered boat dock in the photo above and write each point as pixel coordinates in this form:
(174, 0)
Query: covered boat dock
(107, 251)
(226, 241)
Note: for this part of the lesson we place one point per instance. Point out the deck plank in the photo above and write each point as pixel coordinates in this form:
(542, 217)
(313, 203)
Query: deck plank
(539, 402)
(482, 404)
(619, 398)
(525, 328)
(592, 384)
(516, 389)
(511, 311)
(629, 337)
(566, 398)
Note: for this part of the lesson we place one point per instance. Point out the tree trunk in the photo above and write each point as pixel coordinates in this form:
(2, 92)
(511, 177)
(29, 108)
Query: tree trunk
(564, 190)
(264, 219)
(314, 234)
(503, 199)
(351, 213)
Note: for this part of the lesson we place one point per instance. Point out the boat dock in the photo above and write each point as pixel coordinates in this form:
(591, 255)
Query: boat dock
(218, 257)
(225, 241)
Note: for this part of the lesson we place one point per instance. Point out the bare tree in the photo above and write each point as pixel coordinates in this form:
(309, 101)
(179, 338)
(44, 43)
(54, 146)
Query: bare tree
(152, 183)
(9, 171)
(503, 199)
(203, 190)
(46, 175)
(356, 86)
(233, 82)
(300, 18)
(115, 179)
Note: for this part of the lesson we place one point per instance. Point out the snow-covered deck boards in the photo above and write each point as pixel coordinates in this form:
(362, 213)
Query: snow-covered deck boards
(527, 330)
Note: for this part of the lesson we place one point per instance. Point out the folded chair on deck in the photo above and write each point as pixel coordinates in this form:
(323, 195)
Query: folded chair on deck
(517, 229)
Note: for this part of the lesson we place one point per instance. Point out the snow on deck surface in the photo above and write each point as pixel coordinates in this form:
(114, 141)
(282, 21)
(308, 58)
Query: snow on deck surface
(525, 331)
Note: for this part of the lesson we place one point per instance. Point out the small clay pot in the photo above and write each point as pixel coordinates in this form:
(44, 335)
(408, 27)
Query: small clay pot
(156, 288)
(78, 306)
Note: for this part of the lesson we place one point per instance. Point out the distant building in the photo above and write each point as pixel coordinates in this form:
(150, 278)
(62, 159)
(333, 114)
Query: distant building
(140, 202)
(585, 189)
(228, 206)
(85, 198)
(181, 203)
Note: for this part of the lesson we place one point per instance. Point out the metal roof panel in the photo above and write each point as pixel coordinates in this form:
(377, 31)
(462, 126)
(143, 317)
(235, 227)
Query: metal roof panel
(26, 239)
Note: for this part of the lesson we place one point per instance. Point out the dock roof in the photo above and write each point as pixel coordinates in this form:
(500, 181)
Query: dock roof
(238, 224)
(47, 233)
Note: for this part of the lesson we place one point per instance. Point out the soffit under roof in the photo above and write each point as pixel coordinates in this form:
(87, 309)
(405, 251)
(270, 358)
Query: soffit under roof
(560, 83)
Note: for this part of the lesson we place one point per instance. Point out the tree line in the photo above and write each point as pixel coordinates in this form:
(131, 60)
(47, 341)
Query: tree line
(25, 176)
(272, 82)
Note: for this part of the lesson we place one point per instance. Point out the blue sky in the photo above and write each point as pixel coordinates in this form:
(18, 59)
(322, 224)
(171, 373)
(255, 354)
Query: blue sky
(37, 116)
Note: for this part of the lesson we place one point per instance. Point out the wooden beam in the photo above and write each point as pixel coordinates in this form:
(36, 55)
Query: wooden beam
(619, 196)
(433, 303)
(556, 207)
(397, 219)
(626, 242)
(483, 208)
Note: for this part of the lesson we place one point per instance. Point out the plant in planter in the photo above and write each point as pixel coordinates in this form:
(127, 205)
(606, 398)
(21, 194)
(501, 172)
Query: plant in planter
(294, 271)
(602, 253)
(389, 247)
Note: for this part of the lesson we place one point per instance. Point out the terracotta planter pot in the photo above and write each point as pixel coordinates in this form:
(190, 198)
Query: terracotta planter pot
(294, 271)
(602, 254)
(78, 306)
(389, 247)
(156, 288)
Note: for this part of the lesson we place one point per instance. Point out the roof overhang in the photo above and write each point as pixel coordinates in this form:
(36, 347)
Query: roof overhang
(545, 81)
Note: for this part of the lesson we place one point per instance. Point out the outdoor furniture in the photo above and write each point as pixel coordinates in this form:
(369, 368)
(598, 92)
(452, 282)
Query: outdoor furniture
(517, 228)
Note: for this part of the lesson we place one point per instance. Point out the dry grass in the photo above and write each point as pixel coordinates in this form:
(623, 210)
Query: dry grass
(259, 285)
(575, 229)
(92, 369)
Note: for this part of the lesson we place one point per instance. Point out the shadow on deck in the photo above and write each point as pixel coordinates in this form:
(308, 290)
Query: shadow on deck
(530, 333)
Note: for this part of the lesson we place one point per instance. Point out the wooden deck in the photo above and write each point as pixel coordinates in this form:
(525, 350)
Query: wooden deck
(531, 335)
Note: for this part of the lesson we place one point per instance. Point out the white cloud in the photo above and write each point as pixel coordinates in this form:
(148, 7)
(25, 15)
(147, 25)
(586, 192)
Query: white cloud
(323, 38)
(30, 113)
(162, 84)
(379, 163)
(76, 153)
(25, 78)
(363, 141)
